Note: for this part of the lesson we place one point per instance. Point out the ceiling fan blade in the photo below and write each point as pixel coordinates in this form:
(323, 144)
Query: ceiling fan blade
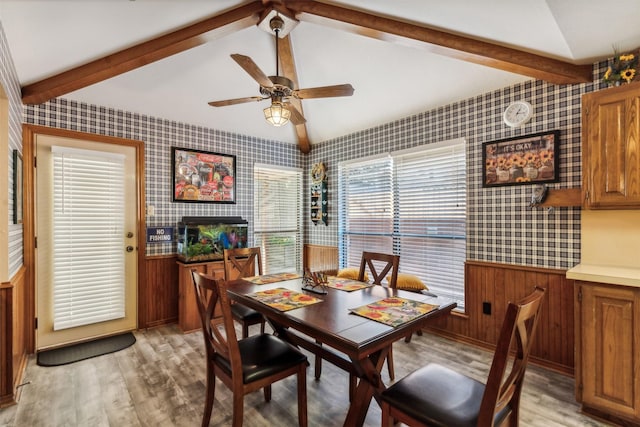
(236, 101)
(250, 67)
(324, 91)
(296, 118)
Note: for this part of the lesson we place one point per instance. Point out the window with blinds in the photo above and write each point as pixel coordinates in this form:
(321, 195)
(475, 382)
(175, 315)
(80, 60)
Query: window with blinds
(88, 237)
(365, 191)
(411, 203)
(277, 195)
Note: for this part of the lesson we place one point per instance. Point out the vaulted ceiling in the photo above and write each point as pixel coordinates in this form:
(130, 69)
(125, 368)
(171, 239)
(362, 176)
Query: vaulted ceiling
(168, 59)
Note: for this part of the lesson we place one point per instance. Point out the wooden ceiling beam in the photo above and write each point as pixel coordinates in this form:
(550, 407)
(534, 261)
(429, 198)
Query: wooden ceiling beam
(288, 65)
(142, 54)
(440, 42)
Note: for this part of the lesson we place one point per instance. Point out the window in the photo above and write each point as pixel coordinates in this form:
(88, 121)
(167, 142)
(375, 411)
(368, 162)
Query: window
(277, 195)
(411, 203)
(88, 237)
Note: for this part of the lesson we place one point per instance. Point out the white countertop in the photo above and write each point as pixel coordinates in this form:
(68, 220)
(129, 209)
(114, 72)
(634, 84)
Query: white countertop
(626, 276)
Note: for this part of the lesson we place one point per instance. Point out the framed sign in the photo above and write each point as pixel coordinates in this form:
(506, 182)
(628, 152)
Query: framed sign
(17, 187)
(159, 234)
(203, 177)
(524, 160)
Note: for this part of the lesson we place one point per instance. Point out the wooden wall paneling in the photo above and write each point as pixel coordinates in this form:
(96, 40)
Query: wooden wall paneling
(489, 325)
(499, 284)
(20, 331)
(543, 346)
(14, 336)
(473, 306)
(161, 300)
(555, 325)
(6, 344)
(320, 258)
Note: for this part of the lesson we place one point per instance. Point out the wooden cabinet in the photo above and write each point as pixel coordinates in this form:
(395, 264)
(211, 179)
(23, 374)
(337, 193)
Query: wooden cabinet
(607, 357)
(611, 148)
(188, 317)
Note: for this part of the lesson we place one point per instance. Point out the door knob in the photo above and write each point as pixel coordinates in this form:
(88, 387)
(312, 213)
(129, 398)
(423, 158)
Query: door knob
(129, 248)
(129, 234)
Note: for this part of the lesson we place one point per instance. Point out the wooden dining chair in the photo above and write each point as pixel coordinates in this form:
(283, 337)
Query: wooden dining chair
(438, 396)
(388, 265)
(247, 365)
(239, 263)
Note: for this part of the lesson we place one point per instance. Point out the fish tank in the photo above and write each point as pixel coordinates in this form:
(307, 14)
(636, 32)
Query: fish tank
(204, 238)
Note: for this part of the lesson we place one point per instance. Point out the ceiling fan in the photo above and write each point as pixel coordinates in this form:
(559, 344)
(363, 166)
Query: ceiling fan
(279, 88)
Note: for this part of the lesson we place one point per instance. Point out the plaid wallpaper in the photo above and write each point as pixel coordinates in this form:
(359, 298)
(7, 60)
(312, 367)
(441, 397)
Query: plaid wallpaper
(500, 225)
(159, 136)
(12, 100)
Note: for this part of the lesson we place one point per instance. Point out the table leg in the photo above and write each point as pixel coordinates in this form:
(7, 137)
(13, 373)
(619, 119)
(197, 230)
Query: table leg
(370, 385)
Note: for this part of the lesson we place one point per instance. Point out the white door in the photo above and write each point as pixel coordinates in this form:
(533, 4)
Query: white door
(86, 255)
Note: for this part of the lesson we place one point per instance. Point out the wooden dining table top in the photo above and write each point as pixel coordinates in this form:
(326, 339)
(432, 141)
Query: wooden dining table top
(331, 321)
(359, 345)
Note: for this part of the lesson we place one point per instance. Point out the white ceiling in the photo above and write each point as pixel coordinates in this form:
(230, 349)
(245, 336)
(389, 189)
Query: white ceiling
(391, 81)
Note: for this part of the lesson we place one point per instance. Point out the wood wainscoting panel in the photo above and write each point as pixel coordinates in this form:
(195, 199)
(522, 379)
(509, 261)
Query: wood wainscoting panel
(160, 304)
(320, 258)
(6, 344)
(14, 336)
(498, 284)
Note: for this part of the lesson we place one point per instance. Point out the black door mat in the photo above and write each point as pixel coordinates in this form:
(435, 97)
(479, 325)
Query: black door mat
(85, 350)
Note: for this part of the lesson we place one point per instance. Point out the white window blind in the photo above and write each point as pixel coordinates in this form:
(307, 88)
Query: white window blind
(430, 200)
(413, 204)
(366, 208)
(277, 196)
(88, 247)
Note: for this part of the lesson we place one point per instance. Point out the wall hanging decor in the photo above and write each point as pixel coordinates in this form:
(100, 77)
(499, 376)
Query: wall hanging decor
(202, 176)
(523, 160)
(319, 207)
(17, 187)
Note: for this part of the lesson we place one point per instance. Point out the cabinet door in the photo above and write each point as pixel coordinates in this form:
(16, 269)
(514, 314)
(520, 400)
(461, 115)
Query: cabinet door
(216, 269)
(188, 317)
(610, 365)
(611, 147)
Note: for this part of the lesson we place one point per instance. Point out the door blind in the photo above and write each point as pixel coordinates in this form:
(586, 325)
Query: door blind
(88, 247)
(278, 217)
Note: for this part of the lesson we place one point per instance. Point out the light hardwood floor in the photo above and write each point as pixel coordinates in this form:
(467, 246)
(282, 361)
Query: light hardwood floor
(159, 381)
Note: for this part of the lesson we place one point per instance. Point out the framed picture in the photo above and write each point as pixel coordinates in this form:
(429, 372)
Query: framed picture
(17, 187)
(203, 177)
(526, 159)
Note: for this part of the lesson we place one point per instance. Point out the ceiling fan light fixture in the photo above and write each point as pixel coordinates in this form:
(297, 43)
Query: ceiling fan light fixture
(276, 114)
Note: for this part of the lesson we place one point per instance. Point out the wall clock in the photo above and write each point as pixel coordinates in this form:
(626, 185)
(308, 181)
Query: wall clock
(517, 113)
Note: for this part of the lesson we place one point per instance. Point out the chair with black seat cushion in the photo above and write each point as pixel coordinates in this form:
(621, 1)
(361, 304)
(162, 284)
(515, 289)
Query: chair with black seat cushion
(438, 396)
(247, 365)
(239, 263)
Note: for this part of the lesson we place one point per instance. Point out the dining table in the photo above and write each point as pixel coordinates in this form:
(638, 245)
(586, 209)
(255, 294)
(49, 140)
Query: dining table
(330, 328)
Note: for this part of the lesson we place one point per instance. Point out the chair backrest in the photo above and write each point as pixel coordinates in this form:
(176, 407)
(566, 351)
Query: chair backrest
(217, 321)
(391, 263)
(518, 329)
(239, 263)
